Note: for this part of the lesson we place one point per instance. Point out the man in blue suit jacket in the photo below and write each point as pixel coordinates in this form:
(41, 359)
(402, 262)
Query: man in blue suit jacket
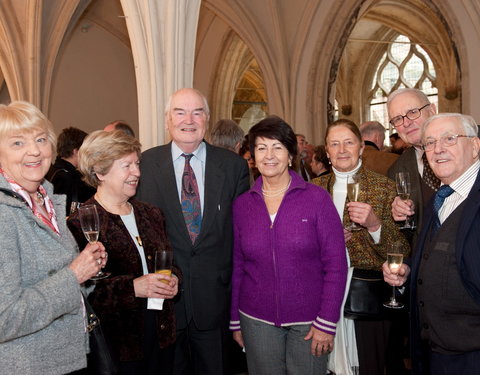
(445, 270)
(206, 261)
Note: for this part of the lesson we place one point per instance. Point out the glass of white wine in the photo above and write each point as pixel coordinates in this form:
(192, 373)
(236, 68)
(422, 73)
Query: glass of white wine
(90, 223)
(353, 191)
(404, 186)
(394, 260)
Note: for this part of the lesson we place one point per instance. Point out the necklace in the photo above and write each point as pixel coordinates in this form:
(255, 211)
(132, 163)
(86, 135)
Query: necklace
(118, 211)
(274, 193)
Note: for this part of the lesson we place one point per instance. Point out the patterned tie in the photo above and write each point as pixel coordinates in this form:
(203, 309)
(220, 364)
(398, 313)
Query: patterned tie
(191, 208)
(429, 177)
(442, 193)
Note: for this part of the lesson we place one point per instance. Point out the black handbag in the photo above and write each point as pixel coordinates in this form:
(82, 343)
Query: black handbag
(366, 295)
(99, 360)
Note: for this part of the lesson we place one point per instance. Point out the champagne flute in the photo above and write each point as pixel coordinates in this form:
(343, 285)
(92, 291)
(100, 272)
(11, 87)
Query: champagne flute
(90, 223)
(402, 180)
(164, 263)
(394, 260)
(353, 190)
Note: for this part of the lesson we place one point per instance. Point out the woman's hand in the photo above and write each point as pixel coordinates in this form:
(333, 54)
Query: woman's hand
(395, 279)
(322, 343)
(237, 336)
(156, 285)
(402, 208)
(347, 234)
(89, 262)
(363, 214)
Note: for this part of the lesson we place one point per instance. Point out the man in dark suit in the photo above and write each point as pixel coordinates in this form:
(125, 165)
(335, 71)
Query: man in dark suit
(445, 277)
(188, 166)
(408, 109)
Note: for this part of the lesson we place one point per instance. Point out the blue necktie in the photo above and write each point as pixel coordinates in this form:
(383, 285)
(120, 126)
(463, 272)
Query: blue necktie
(442, 193)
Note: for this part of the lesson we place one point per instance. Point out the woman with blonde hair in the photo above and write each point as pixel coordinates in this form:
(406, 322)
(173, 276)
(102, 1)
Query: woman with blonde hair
(42, 318)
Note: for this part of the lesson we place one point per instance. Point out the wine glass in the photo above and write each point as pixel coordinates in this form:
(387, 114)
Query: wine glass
(402, 180)
(90, 223)
(353, 190)
(394, 260)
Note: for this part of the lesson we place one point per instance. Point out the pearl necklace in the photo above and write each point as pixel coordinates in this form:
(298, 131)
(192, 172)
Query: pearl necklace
(274, 193)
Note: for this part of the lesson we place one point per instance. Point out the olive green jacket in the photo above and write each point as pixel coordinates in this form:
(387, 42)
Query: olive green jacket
(378, 191)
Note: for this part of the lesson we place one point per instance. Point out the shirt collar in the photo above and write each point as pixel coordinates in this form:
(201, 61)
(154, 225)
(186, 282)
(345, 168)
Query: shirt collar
(464, 183)
(200, 153)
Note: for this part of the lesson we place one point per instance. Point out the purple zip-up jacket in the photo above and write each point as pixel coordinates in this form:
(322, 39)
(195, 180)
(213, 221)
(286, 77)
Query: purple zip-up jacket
(294, 270)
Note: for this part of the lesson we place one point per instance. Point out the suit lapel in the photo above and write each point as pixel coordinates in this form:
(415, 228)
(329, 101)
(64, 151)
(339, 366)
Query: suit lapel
(469, 212)
(214, 180)
(167, 184)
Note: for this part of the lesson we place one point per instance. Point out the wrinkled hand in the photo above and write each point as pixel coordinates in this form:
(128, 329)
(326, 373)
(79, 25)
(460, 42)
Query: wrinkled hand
(89, 262)
(395, 279)
(402, 208)
(237, 336)
(347, 234)
(363, 214)
(322, 343)
(152, 286)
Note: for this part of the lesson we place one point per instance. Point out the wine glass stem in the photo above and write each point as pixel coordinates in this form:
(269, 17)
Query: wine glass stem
(393, 295)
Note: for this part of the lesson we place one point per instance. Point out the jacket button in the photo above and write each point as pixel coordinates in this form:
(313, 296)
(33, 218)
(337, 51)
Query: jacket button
(425, 256)
(420, 281)
(149, 257)
(52, 272)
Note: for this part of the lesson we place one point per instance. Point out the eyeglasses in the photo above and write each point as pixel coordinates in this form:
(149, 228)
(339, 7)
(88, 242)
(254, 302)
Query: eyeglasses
(412, 114)
(446, 140)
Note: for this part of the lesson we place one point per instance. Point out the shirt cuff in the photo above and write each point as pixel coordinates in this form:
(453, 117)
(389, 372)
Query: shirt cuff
(234, 325)
(325, 325)
(376, 235)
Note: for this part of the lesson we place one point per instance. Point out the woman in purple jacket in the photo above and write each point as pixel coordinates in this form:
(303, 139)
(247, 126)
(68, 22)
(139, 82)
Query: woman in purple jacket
(289, 262)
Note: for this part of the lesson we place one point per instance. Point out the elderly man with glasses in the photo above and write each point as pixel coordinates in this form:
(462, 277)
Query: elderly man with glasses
(444, 274)
(408, 109)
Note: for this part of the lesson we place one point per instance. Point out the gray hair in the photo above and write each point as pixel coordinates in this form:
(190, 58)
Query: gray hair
(408, 90)
(369, 128)
(468, 123)
(227, 134)
(206, 109)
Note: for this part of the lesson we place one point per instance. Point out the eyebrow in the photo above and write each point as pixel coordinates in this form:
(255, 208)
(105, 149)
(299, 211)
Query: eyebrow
(193, 110)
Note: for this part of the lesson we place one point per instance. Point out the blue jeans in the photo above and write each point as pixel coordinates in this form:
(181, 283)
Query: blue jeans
(279, 350)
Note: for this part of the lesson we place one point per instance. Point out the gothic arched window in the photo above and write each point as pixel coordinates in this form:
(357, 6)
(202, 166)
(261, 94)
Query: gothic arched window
(404, 64)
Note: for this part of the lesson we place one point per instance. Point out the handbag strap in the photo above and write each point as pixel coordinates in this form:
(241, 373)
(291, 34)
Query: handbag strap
(93, 321)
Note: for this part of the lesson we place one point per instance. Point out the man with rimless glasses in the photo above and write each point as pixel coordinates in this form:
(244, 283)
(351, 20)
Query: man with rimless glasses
(408, 109)
(445, 277)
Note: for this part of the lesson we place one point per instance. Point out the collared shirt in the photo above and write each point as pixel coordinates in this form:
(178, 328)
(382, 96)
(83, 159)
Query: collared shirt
(462, 187)
(419, 154)
(198, 165)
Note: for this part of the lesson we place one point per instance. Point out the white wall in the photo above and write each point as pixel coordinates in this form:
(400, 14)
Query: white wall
(94, 82)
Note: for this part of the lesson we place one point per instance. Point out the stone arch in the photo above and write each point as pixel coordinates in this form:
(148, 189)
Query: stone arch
(423, 23)
(233, 62)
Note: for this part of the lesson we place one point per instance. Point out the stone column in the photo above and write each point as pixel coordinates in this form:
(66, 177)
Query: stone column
(162, 35)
